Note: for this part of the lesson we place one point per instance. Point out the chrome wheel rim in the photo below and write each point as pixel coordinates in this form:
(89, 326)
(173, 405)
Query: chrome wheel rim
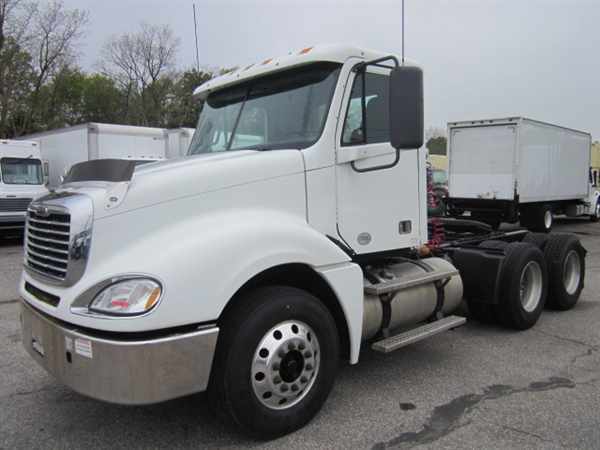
(572, 272)
(548, 219)
(285, 364)
(597, 210)
(530, 286)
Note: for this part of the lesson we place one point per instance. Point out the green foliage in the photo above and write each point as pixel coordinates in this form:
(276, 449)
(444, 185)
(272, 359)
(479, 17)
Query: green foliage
(437, 145)
(16, 83)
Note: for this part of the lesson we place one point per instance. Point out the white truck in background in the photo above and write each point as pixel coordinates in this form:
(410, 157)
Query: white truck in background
(179, 141)
(511, 169)
(64, 147)
(294, 232)
(23, 177)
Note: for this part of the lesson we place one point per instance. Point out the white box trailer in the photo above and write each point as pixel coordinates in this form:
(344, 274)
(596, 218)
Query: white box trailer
(66, 146)
(519, 169)
(179, 141)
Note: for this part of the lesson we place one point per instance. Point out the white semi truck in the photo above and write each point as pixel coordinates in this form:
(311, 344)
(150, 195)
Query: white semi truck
(67, 146)
(22, 179)
(515, 169)
(293, 234)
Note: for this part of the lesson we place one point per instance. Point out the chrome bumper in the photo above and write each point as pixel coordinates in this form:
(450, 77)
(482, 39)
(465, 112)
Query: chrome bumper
(120, 371)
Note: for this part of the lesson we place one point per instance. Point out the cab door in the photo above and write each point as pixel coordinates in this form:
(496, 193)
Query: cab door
(379, 190)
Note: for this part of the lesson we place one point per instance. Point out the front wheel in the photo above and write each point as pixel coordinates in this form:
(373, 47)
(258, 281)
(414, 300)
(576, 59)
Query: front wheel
(276, 361)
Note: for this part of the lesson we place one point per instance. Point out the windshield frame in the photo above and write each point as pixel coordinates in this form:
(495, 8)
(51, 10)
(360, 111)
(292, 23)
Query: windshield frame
(35, 161)
(244, 94)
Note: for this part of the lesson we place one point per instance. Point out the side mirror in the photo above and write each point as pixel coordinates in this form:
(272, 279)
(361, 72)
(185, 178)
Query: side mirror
(406, 108)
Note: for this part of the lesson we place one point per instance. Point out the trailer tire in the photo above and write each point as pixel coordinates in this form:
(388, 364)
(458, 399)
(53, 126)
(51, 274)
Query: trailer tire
(537, 239)
(276, 361)
(537, 218)
(524, 285)
(565, 257)
(595, 216)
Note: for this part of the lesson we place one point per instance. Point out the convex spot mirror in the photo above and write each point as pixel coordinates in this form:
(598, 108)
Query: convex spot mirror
(406, 108)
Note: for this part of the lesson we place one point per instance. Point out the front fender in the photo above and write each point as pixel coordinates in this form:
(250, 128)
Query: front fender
(201, 261)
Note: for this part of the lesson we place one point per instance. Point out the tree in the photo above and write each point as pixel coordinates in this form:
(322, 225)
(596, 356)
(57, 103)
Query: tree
(142, 64)
(55, 32)
(436, 141)
(183, 109)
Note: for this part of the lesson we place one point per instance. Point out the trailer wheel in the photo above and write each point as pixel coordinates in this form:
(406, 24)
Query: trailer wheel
(524, 283)
(276, 361)
(537, 239)
(537, 218)
(595, 217)
(565, 258)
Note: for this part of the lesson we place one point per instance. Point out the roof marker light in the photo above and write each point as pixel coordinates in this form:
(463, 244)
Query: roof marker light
(267, 61)
(304, 51)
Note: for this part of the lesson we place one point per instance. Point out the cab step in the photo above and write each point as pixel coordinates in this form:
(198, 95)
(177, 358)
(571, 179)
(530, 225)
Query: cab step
(392, 343)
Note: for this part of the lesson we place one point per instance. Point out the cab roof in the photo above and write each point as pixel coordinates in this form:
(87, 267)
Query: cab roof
(336, 53)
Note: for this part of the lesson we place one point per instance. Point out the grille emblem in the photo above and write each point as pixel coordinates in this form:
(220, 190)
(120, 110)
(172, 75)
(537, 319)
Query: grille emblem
(41, 211)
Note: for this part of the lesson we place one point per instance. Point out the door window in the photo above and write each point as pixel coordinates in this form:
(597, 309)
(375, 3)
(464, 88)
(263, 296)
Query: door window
(367, 117)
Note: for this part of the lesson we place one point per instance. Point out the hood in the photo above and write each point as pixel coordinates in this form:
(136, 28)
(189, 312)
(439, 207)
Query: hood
(169, 180)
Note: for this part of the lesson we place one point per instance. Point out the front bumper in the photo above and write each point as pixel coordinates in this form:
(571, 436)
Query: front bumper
(120, 371)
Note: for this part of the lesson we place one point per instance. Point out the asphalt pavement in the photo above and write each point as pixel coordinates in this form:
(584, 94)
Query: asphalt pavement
(476, 387)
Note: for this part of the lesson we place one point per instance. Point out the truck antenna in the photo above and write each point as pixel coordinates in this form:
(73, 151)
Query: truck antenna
(196, 34)
(402, 32)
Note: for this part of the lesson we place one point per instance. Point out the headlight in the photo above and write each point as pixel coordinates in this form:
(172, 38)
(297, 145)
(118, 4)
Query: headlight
(127, 298)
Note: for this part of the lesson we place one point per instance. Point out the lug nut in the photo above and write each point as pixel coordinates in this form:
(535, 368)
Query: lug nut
(284, 388)
(277, 380)
(303, 379)
(276, 367)
(291, 346)
(307, 354)
(294, 387)
(309, 367)
(301, 346)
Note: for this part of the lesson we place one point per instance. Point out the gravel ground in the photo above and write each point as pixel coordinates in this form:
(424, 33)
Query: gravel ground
(475, 387)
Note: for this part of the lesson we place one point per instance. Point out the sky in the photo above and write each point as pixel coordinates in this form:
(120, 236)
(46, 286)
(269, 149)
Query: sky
(482, 58)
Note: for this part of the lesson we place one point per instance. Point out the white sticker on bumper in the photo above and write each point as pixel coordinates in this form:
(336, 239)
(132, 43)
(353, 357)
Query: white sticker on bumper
(83, 347)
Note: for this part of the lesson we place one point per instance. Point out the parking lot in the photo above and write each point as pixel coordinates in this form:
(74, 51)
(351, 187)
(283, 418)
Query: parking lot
(475, 387)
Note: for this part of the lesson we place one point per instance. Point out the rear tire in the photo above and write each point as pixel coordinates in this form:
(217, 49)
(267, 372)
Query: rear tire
(276, 361)
(565, 258)
(523, 286)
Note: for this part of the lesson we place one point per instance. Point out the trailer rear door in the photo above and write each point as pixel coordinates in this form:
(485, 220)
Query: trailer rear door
(481, 161)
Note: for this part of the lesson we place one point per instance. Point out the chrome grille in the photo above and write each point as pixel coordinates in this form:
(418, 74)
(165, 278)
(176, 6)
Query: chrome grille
(48, 238)
(14, 204)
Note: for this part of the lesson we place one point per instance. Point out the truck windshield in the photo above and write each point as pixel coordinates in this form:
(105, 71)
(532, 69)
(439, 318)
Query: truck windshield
(285, 110)
(21, 171)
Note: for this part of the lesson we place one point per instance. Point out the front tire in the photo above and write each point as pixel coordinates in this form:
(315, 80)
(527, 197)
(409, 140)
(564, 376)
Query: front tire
(276, 361)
